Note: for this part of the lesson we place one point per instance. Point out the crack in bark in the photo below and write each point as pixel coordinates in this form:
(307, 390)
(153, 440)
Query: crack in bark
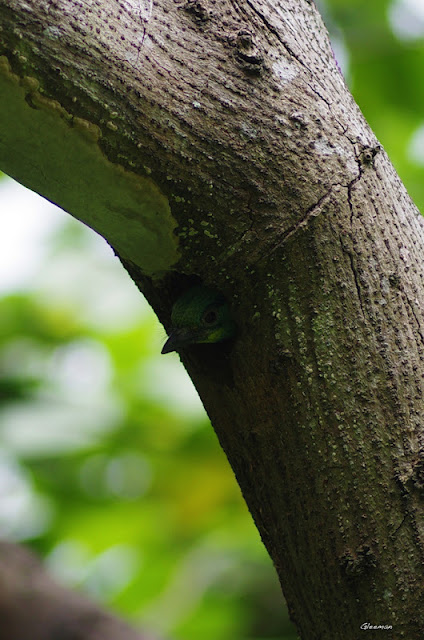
(275, 32)
(355, 279)
(395, 532)
(310, 213)
(344, 127)
(349, 253)
(289, 50)
(349, 191)
(409, 303)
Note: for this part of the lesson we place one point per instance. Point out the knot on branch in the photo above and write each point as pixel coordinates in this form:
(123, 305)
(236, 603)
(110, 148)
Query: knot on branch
(355, 563)
(417, 477)
(197, 10)
(248, 54)
(299, 119)
(367, 155)
(412, 472)
(281, 361)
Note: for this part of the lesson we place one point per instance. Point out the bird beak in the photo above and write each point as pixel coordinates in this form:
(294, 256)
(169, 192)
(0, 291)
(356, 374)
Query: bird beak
(178, 338)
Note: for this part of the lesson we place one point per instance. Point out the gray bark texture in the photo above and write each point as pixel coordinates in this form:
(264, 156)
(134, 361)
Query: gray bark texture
(235, 115)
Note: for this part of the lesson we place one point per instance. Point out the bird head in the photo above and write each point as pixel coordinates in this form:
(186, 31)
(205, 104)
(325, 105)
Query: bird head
(200, 315)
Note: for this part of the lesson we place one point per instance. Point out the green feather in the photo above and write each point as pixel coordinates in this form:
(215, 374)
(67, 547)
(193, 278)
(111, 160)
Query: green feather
(200, 315)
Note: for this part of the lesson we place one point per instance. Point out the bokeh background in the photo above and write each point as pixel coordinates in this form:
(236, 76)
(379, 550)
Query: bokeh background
(108, 465)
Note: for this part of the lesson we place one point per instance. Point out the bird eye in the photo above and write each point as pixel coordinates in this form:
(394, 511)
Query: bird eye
(210, 317)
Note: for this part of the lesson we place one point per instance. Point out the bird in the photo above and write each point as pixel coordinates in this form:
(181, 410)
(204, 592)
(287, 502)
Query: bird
(200, 315)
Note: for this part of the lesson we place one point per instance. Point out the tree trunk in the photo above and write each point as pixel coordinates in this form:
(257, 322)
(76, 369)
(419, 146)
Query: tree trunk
(217, 142)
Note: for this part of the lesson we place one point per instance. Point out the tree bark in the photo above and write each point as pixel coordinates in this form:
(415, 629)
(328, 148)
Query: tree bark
(34, 607)
(217, 142)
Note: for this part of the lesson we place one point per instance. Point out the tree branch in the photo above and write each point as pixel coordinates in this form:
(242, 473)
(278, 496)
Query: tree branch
(35, 607)
(218, 143)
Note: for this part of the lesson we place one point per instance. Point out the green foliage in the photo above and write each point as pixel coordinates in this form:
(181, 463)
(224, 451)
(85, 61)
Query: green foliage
(384, 40)
(114, 473)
